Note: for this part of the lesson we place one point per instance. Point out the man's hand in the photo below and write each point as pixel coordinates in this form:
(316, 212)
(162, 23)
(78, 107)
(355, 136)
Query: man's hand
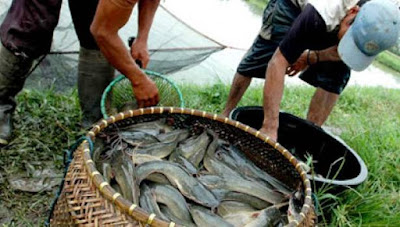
(139, 52)
(308, 57)
(145, 91)
(300, 65)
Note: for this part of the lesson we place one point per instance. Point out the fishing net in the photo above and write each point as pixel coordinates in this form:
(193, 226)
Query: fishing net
(173, 46)
(118, 96)
(86, 197)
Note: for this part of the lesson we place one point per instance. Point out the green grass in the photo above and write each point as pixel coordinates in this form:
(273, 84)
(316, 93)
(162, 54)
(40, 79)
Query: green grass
(47, 123)
(389, 61)
(369, 119)
(257, 6)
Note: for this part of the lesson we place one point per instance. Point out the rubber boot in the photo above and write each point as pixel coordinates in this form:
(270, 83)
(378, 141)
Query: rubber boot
(13, 72)
(94, 75)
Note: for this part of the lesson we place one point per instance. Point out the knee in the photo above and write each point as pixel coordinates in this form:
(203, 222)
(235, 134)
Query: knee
(241, 80)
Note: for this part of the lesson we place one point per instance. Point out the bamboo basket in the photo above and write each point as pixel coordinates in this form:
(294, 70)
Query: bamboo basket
(88, 200)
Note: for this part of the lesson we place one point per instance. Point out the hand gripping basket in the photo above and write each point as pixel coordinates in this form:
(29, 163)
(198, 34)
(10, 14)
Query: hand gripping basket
(88, 200)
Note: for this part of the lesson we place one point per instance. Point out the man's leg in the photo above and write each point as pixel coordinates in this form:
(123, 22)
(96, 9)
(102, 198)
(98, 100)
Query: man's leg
(94, 71)
(13, 72)
(330, 78)
(321, 106)
(253, 64)
(26, 34)
(94, 75)
(239, 86)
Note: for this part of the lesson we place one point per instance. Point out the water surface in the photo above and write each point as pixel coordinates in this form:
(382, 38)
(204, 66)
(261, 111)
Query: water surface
(233, 23)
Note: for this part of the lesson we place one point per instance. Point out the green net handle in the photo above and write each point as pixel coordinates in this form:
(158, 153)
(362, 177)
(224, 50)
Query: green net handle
(121, 77)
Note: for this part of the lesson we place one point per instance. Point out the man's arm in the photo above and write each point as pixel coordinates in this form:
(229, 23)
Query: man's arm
(147, 10)
(310, 57)
(109, 18)
(273, 91)
(301, 35)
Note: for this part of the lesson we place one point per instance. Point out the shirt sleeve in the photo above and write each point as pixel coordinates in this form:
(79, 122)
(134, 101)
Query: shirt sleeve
(304, 33)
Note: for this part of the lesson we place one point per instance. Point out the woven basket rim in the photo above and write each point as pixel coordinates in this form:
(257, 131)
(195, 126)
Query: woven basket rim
(133, 209)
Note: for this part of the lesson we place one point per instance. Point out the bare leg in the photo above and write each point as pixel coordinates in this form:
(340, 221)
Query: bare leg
(239, 86)
(321, 106)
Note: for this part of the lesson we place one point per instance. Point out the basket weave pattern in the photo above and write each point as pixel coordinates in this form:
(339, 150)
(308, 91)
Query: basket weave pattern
(88, 200)
(81, 203)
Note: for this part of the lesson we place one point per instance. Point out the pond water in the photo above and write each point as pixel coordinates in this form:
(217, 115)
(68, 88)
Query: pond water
(234, 23)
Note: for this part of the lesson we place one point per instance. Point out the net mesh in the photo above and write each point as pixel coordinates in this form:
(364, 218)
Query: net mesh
(173, 46)
(119, 96)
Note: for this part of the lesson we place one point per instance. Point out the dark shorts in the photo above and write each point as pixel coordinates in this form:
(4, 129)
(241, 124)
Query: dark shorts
(29, 25)
(255, 61)
(82, 13)
(330, 76)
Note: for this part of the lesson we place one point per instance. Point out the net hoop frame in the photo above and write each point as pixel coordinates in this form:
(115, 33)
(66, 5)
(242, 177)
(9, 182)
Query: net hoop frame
(121, 77)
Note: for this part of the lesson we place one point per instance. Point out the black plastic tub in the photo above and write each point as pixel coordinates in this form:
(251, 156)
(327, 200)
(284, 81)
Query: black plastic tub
(335, 165)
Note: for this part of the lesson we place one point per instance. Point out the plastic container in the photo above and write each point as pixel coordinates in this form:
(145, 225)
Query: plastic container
(335, 165)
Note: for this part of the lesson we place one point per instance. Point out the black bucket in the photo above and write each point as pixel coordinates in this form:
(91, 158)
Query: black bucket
(335, 165)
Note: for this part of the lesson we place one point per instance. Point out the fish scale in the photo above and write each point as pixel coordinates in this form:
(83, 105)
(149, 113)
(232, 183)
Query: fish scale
(181, 179)
(193, 153)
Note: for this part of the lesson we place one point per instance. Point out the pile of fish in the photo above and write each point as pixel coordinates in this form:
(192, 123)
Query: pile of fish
(191, 177)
